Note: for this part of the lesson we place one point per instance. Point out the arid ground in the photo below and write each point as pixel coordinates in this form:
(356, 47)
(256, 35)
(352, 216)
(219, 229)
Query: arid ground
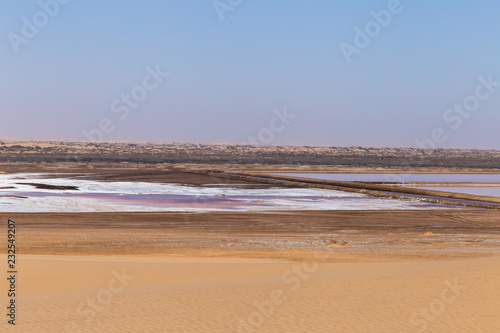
(435, 270)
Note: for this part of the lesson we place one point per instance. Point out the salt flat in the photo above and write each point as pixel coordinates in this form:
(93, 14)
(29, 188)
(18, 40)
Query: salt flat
(36, 193)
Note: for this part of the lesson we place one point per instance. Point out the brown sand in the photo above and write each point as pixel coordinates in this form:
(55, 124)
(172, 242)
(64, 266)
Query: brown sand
(366, 235)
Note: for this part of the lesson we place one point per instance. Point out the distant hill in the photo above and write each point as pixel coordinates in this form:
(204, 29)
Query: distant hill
(83, 152)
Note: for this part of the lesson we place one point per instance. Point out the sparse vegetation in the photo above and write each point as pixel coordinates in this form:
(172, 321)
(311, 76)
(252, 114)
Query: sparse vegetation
(56, 152)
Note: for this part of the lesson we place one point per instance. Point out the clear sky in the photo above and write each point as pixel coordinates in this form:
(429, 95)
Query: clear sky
(325, 72)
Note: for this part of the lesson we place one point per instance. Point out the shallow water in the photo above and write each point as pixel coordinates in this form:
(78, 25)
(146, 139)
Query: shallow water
(478, 190)
(402, 178)
(94, 196)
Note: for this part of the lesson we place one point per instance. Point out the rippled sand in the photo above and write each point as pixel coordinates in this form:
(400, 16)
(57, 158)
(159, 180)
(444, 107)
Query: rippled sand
(238, 295)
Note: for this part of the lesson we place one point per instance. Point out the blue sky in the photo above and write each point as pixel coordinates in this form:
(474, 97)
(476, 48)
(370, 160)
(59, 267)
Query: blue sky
(226, 76)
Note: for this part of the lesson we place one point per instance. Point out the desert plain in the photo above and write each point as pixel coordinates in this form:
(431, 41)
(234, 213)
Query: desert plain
(425, 270)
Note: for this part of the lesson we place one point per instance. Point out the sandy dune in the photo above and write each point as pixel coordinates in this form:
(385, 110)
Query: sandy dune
(242, 295)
